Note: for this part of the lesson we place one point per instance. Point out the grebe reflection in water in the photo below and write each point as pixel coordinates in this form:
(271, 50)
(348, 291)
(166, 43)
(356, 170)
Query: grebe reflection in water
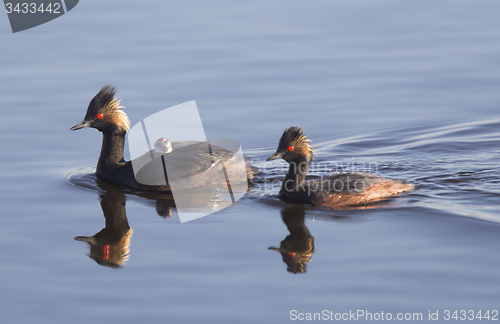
(298, 247)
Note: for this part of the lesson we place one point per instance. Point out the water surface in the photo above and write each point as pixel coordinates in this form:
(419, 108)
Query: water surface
(407, 90)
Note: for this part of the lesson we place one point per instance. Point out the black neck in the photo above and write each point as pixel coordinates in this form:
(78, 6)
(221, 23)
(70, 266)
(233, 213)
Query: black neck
(111, 151)
(113, 208)
(296, 174)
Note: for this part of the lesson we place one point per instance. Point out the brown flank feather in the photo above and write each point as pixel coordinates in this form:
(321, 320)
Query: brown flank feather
(376, 192)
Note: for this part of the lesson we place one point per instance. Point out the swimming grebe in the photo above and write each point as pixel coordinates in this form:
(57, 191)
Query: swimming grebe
(336, 190)
(105, 114)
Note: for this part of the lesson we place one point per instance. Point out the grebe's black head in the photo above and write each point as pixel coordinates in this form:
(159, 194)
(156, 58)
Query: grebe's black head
(105, 113)
(292, 146)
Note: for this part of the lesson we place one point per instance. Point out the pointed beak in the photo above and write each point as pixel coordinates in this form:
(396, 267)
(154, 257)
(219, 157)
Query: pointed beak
(83, 124)
(275, 156)
(87, 239)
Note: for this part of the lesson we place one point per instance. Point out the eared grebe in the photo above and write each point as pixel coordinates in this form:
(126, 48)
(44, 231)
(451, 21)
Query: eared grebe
(191, 158)
(336, 190)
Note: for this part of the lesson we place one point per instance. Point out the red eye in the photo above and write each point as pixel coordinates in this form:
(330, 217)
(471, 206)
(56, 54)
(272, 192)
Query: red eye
(99, 116)
(291, 148)
(292, 254)
(105, 252)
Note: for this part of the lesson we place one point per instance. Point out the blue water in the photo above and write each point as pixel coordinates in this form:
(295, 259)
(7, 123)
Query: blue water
(408, 90)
